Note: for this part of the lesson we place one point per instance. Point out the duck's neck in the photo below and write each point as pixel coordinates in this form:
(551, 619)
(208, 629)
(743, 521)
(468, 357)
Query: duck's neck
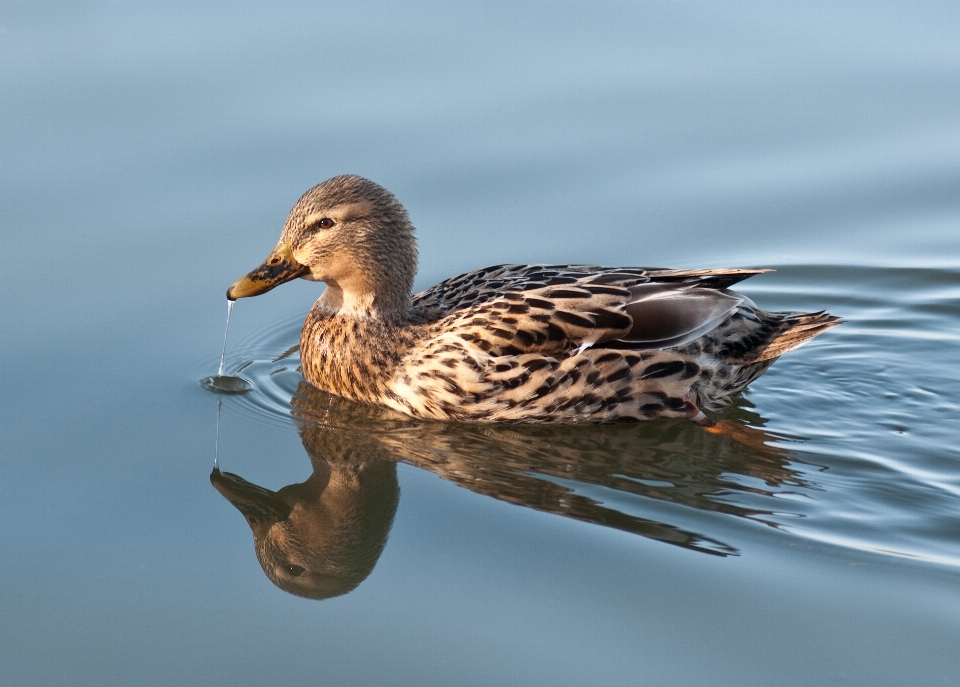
(366, 301)
(351, 349)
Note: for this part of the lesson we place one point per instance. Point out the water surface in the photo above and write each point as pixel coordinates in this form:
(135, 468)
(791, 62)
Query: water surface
(150, 154)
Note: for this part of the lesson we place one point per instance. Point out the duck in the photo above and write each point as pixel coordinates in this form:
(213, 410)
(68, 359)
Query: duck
(513, 343)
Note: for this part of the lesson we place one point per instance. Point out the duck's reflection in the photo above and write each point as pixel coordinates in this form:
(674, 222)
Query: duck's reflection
(322, 537)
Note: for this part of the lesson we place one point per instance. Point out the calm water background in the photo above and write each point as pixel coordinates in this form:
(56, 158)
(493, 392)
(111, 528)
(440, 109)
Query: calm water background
(150, 153)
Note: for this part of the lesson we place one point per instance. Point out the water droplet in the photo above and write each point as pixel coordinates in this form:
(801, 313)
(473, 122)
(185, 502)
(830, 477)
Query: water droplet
(226, 384)
(221, 383)
(226, 329)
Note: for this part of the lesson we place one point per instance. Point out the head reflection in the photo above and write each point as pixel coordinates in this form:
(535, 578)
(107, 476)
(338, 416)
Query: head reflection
(322, 537)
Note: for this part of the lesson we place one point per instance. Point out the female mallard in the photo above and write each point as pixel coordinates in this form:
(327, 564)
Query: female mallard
(512, 343)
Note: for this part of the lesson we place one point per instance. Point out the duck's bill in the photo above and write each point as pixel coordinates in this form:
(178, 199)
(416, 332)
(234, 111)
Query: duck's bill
(279, 267)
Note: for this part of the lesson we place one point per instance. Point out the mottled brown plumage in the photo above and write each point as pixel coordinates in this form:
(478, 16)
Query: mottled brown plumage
(512, 343)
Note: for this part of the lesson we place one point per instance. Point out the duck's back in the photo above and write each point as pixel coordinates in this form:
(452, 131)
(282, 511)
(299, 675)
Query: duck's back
(515, 343)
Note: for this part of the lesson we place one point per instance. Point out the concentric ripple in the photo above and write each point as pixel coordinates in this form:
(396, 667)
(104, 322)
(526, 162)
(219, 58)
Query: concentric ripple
(265, 363)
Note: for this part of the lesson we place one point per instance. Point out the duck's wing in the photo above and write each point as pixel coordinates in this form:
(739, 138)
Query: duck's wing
(479, 286)
(514, 309)
(665, 315)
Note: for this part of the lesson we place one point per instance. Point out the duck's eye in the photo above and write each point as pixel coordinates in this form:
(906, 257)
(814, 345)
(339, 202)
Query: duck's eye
(325, 223)
(295, 570)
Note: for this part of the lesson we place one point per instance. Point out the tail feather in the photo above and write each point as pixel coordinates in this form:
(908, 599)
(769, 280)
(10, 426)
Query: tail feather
(800, 329)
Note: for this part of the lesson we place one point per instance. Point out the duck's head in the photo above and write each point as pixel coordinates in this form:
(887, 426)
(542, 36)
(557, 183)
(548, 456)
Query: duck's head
(350, 233)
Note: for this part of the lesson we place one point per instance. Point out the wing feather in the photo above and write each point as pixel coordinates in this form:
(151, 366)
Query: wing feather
(667, 315)
(561, 317)
(475, 287)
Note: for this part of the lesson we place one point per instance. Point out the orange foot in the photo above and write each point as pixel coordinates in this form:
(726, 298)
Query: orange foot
(743, 434)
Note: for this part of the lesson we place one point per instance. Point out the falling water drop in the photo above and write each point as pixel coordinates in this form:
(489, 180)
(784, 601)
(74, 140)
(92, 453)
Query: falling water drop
(223, 352)
(221, 383)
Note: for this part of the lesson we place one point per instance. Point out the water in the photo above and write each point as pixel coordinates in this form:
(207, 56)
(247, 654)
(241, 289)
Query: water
(221, 383)
(151, 153)
(226, 330)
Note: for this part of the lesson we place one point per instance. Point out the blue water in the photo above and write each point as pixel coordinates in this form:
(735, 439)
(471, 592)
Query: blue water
(150, 153)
